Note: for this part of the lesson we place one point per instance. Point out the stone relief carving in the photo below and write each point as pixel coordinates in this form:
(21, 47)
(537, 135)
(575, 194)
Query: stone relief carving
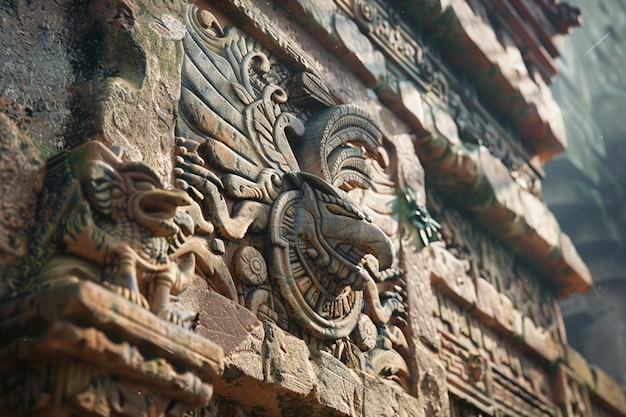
(475, 130)
(487, 259)
(384, 24)
(269, 160)
(420, 61)
(87, 318)
(113, 223)
(491, 368)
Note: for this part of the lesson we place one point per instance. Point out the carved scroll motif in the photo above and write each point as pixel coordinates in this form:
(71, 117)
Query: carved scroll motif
(268, 159)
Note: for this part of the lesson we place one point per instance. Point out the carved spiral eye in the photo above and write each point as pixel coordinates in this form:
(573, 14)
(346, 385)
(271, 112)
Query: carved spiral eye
(250, 266)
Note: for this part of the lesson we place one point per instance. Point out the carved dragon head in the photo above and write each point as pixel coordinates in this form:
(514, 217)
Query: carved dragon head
(240, 119)
(332, 235)
(129, 192)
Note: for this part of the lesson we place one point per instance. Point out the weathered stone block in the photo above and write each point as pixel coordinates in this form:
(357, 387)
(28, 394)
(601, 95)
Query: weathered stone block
(381, 400)
(579, 367)
(608, 391)
(506, 316)
(570, 393)
(487, 298)
(231, 326)
(127, 92)
(419, 297)
(337, 387)
(369, 61)
(445, 125)
(286, 360)
(540, 341)
(21, 179)
(431, 386)
(449, 274)
(412, 101)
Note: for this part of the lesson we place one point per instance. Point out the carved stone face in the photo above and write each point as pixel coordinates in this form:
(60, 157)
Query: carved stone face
(320, 239)
(151, 206)
(333, 236)
(130, 192)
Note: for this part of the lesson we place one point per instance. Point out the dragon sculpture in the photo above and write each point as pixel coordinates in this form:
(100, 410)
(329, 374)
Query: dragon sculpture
(268, 158)
(112, 222)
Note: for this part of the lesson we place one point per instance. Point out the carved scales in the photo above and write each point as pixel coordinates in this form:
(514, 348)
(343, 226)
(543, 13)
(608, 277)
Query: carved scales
(267, 157)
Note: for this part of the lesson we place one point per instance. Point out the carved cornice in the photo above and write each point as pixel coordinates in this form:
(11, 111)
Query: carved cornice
(536, 52)
(480, 183)
(470, 177)
(471, 45)
(76, 346)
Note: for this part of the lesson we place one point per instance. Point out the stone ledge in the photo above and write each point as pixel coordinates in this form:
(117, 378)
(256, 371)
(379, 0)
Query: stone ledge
(270, 370)
(579, 367)
(492, 308)
(481, 184)
(87, 342)
(569, 392)
(471, 45)
(608, 392)
(91, 304)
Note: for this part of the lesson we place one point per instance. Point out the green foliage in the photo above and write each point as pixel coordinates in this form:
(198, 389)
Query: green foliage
(419, 217)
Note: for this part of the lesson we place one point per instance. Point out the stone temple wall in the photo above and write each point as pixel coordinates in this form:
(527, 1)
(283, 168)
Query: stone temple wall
(285, 208)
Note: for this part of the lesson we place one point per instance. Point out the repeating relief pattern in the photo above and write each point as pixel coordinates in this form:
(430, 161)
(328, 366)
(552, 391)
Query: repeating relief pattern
(268, 159)
(498, 374)
(384, 23)
(487, 259)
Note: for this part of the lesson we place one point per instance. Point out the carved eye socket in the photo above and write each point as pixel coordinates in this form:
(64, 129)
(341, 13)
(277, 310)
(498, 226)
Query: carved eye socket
(144, 186)
(341, 211)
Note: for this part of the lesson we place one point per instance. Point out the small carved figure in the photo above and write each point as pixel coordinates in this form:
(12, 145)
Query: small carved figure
(112, 222)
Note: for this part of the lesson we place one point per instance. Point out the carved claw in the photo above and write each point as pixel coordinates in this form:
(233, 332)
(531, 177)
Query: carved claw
(394, 302)
(132, 296)
(191, 174)
(186, 145)
(184, 319)
(266, 188)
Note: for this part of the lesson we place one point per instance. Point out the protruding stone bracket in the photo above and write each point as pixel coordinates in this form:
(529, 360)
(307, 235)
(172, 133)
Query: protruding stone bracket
(78, 349)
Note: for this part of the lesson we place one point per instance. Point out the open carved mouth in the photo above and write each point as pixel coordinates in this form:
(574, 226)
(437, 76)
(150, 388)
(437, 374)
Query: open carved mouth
(156, 210)
(351, 253)
(344, 267)
(351, 272)
(159, 207)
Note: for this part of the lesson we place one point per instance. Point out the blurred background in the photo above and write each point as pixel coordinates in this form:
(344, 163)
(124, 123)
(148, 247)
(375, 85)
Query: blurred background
(584, 186)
